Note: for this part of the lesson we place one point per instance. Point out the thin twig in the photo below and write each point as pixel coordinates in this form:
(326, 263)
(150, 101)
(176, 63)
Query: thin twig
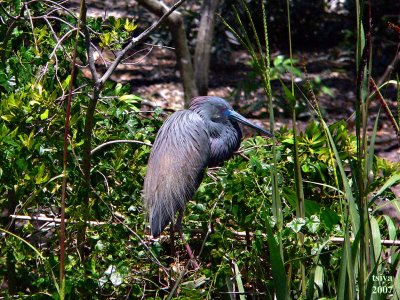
(171, 294)
(89, 49)
(340, 240)
(385, 106)
(118, 142)
(55, 220)
(389, 69)
(149, 50)
(242, 155)
(209, 224)
(31, 23)
(134, 41)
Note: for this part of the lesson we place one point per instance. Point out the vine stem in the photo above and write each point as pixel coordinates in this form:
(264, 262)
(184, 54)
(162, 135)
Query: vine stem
(65, 154)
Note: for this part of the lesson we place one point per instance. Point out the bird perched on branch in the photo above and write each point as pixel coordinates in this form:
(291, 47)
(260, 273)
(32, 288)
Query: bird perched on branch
(189, 141)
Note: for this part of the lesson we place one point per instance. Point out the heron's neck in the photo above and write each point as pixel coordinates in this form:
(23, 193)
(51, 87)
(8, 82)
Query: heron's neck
(224, 141)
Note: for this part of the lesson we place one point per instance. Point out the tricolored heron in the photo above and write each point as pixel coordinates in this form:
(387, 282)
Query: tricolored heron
(189, 141)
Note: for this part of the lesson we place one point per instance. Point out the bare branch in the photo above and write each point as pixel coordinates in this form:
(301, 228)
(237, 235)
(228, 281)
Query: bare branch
(89, 49)
(52, 220)
(118, 142)
(390, 67)
(134, 42)
(33, 32)
(148, 49)
(340, 240)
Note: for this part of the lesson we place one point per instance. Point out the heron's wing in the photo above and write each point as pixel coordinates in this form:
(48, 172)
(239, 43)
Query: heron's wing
(176, 167)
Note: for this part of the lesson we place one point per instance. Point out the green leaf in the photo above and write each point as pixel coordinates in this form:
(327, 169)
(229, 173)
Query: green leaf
(44, 115)
(130, 25)
(376, 238)
(296, 224)
(130, 98)
(390, 182)
(313, 223)
(41, 176)
(105, 39)
(7, 118)
(22, 164)
(330, 218)
(118, 88)
(319, 277)
(116, 278)
(289, 96)
(311, 207)
(278, 60)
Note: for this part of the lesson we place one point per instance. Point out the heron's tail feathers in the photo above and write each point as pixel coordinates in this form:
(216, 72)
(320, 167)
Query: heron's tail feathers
(158, 222)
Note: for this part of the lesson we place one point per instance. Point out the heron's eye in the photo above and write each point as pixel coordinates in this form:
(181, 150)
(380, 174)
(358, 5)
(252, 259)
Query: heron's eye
(216, 117)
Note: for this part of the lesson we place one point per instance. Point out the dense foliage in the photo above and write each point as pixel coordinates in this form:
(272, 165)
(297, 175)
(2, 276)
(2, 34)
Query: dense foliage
(225, 223)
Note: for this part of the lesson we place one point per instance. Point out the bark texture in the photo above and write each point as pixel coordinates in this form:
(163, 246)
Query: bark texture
(204, 43)
(183, 58)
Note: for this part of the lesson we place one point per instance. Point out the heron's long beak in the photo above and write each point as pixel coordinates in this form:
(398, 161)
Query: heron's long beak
(233, 115)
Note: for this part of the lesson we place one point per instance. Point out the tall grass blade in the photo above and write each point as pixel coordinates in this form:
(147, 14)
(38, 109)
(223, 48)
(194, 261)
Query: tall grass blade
(396, 284)
(314, 278)
(319, 278)
(376, 240)
(263, 63)
(389, 183)
(277, 258)
(370, 284)
(239, 281)
(278, 269)
(355, 222)
(229, 286)
(347, 277)
(371, 149)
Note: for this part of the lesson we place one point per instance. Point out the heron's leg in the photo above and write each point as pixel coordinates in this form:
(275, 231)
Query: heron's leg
(172, 239)
(189, 251)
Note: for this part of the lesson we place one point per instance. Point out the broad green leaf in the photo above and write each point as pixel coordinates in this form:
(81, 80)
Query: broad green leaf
(130, 98)
(44, 115)
(376, 238)
(105, 39)
(7, 118)
(296, 224)
(130, 25)
(313, 223)
(118, 88)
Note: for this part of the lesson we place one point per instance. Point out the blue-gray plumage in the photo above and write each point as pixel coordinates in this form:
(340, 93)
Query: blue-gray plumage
(189, 141)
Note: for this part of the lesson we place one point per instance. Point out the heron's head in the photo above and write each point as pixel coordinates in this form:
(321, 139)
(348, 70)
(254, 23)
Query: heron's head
(217, 110)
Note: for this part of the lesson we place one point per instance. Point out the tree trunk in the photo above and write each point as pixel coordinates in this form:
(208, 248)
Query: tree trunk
(183, 58)
(205, 36)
